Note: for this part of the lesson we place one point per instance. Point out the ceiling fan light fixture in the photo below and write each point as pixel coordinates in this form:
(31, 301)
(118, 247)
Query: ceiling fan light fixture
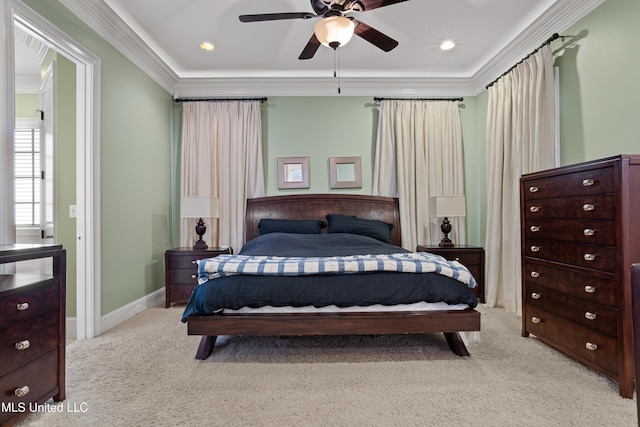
(334, 31)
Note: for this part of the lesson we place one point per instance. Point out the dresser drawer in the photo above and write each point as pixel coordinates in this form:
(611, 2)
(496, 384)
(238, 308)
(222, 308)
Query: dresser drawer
(594, 257)
(25, 341)
(38, 376)
(586, 182)
(591, 232)
(182, 293)
(598, 317)
(590, 287)
(575, 340)
(25, 305)
(600, 207)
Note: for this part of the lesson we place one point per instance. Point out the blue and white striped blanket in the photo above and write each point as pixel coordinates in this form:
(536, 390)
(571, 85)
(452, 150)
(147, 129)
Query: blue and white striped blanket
(410, 262)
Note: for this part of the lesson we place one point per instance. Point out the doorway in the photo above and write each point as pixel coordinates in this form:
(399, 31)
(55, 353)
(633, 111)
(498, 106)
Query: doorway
(87, 148)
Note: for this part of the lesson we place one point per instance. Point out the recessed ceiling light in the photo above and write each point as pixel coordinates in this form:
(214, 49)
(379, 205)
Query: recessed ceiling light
(447, 45)
(206, 46)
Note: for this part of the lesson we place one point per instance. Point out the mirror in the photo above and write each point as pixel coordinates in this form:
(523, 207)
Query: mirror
(293, 172)
(345, 172)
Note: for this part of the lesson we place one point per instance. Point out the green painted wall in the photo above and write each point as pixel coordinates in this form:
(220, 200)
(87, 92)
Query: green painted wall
(599, 86)
(319, 127)
(26, 104)
(135, 158)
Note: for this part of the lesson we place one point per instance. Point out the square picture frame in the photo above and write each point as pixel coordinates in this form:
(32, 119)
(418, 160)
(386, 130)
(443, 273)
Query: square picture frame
(345, 172)
(293, 172)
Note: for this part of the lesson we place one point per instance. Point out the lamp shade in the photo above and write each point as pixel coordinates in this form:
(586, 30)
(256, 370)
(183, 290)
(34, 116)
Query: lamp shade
(199, 207)
(447, 206)
(334, 31)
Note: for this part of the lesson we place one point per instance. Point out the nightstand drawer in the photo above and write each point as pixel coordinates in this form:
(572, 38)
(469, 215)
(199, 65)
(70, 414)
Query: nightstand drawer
(183, 277)
(181, 271)
(471, 257)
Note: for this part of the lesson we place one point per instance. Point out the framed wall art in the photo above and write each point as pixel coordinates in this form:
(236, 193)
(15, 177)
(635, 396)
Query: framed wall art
(345, 172)
(293, 172)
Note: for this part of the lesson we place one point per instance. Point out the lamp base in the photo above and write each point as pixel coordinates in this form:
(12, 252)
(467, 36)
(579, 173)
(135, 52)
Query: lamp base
(445, 227)
(201, 228)
(446, 243)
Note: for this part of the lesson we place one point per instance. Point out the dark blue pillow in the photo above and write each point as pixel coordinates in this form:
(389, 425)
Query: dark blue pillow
(367, 227)
(300, 226)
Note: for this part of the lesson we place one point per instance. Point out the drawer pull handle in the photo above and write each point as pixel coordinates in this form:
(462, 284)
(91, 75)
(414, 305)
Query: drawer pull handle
(591, 346)
(535, 295)
(588, 207)
(22, 391)
(590, 289)
(23, 345)
(589, 257)
(535, 320)
(534, 228)
(535, 248)
(533, 189)
(193, 276)
(588, 182)
(589, 231)
(535, 274)
(591, 316)
(194, 262)
(534, 209)
(22, 306)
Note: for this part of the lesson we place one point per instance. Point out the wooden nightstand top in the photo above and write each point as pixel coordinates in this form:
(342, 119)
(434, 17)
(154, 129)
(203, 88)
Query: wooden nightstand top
(427, 248)
(209, 250)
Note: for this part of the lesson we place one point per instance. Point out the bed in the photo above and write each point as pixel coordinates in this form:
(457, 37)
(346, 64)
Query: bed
(212, 322)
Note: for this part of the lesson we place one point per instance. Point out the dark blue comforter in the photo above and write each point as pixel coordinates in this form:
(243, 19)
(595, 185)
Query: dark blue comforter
(387, 288)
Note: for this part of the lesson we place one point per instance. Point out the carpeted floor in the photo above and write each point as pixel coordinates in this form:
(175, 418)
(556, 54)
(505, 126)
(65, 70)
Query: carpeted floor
(143, 373)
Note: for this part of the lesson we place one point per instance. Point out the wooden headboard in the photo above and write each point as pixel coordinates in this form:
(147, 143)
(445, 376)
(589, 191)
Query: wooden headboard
(316, 206)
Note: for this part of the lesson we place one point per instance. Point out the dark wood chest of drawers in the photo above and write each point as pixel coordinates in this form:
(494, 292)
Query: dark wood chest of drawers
(32, 331)
(580, 235)
(181, 271)
(471, 257)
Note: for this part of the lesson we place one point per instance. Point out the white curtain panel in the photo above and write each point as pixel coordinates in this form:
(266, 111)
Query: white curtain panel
(520, 139)
(418, 156)
(221, 157)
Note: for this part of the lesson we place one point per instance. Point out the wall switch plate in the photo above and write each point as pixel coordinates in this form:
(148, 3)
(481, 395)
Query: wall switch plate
(72, 211)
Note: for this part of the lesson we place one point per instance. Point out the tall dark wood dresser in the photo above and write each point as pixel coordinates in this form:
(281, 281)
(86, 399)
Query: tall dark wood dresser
(580, 235)
(32, 331)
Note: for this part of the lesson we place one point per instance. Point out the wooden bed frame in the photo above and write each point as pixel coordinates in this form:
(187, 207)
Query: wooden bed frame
(316, 206)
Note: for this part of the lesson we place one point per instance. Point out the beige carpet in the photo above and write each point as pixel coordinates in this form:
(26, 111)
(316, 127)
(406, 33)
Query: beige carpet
(143, 373)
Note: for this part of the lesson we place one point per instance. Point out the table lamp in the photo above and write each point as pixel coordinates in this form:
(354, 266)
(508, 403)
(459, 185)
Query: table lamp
(446, 207)
(200, 207)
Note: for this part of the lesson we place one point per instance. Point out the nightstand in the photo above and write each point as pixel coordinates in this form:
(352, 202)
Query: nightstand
(181, 271)
(471, 257)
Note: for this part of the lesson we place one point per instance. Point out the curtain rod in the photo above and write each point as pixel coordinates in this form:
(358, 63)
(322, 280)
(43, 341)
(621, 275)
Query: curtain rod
(553, 37)
(417, 99)
(263, 99)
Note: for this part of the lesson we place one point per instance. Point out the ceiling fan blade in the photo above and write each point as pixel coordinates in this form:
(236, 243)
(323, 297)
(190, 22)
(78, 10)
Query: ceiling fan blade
(374, 4)
(374, 36)
(311, 48)
(276, 16)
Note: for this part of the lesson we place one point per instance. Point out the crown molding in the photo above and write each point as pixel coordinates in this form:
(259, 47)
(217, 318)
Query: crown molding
(556, 19)
(27, 83)
(102, 19)
(306, 86)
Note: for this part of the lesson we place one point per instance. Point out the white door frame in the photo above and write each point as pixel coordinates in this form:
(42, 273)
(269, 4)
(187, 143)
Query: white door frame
(88, 304)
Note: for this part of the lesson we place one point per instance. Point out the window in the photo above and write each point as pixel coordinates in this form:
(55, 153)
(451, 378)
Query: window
(27, 175)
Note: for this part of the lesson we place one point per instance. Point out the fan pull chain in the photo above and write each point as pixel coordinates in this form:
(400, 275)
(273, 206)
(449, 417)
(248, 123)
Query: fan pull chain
(336, 74)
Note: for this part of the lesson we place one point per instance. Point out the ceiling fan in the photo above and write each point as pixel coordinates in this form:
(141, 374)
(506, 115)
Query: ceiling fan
(335, 22)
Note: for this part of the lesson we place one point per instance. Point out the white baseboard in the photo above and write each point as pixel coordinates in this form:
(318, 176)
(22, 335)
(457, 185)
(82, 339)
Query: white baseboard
(114, 318)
